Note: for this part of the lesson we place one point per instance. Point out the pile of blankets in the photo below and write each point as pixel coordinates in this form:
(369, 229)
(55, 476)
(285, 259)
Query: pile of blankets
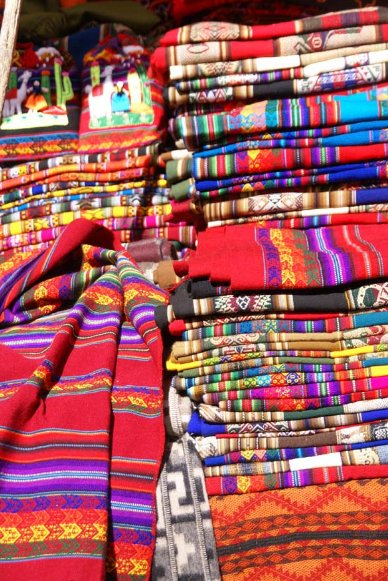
(284, 352)
(285, 123)
(282, 346)
(122, 190)
(280, 320)
(274, 208)
(84, 144)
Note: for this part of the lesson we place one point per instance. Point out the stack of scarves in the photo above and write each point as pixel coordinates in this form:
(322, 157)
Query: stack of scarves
(280, 322)
(282, 123)
(283, 350)
(81, 401)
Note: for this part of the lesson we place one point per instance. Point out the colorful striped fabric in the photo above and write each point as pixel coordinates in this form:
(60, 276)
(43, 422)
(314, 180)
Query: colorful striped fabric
(81, 420)
(281, 259)
(285, 85)
(298, 72)
(231, 50)
(122, 190)
(312, 63)
(267, 321)
(269, 115)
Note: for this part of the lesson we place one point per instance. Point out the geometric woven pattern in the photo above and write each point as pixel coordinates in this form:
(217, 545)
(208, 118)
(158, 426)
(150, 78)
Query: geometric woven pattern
(332, 532)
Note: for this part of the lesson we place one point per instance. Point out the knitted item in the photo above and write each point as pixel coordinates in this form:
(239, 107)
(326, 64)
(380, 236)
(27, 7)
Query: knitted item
(185, 546)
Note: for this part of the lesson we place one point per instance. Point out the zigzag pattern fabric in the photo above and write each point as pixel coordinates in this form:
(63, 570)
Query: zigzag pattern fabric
(332, 531)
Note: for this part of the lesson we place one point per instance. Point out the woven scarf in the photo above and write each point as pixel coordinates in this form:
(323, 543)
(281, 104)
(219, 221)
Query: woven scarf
(82, 422)
(287, 114)
(188, 54)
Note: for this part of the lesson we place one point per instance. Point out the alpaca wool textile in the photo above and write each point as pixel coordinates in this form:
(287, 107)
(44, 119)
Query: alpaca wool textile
(285, 322)
(287, 384)
(216, 415)
(201, 423)
(336, 340)
(268, 376)
(269, 115)
(291, 202)
(352, 134)
(222, 444)
(266, 456)
(286, 534)
(243, 185)
(369, 214)
(205, 329)
(82, 415)
(42, 239)
(296, 72)
(284, 85)
(305, 403)
(373, 455)
(189, 54)
(122, 190)
(256, 161)
(283, 259)
(185, 545)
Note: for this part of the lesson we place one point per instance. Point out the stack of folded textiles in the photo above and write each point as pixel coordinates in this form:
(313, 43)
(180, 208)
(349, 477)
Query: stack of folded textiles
(284, 353)
(280, 322)
(112, 174)
(286, 123)
(122, 190)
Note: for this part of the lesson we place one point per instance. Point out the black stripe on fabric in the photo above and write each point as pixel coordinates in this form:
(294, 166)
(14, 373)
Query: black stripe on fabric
(305, 536)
